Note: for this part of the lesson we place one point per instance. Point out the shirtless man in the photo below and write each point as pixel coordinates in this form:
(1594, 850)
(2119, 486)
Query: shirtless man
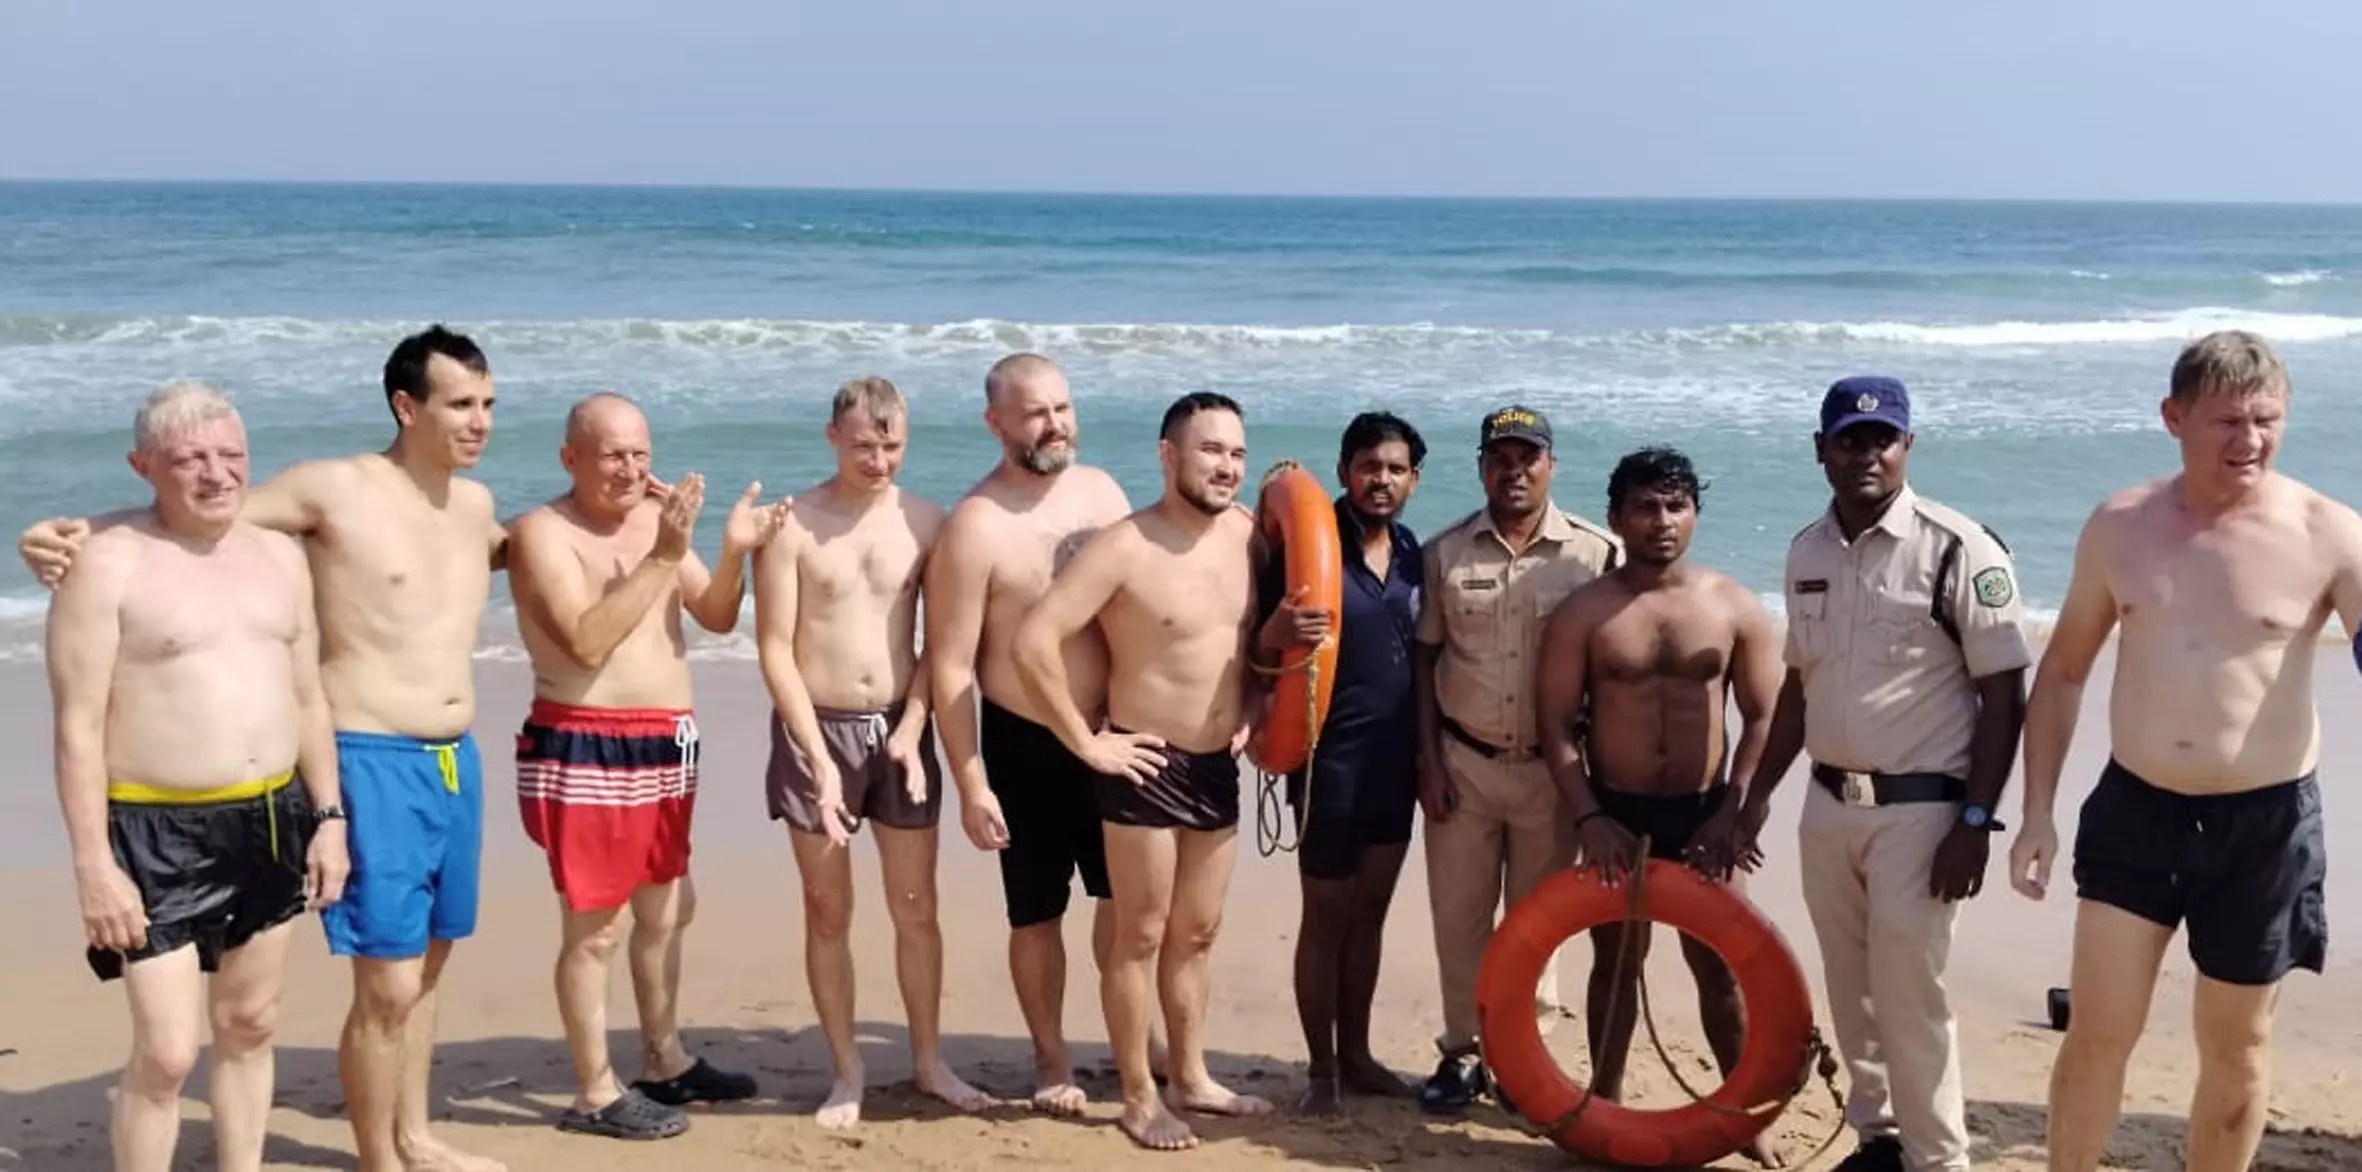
(401, 550)
(1172, 587)
(1023, 793)
(184, 676)
(1634, 669)
(607, 758)
(836, 623)
(2219, 580)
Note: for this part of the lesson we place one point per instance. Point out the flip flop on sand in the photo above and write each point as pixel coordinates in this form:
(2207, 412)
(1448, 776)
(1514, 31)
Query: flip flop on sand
(634, 1116)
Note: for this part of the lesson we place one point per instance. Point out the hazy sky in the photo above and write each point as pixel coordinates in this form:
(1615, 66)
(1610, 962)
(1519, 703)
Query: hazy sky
(2159, 99)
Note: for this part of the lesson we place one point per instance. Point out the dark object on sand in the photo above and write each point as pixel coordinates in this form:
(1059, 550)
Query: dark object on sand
(2058, 1009)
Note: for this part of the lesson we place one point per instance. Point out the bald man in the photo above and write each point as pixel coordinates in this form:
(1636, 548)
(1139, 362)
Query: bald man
(607, 759)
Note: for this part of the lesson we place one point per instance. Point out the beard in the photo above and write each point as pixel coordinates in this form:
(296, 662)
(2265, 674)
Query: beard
(1201, 498)
(1044, 459)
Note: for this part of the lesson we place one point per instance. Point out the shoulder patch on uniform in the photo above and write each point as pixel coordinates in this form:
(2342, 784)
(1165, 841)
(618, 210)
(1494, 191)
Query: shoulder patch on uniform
(1993, 587)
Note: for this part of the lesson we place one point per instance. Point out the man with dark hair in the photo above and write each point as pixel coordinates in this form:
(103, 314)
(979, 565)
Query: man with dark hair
(1495, 823)
(1172, 586)
(1354, 810)
(402, 549)
(1906, 662)
(2217, 581)
(1636, 668)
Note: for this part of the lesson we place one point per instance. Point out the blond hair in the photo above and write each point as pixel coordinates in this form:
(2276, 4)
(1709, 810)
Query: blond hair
(177, 407)
(874, 397)
(2234, 362)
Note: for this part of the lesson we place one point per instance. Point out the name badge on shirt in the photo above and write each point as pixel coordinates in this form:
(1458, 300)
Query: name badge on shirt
(1812, 598)
(1478, 583)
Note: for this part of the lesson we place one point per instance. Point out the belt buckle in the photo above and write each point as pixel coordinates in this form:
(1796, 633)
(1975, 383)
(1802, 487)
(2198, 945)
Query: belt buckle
(1857, 789)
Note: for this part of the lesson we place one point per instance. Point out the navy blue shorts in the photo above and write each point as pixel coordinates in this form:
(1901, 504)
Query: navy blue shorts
(1358, 801)
(2245, 869)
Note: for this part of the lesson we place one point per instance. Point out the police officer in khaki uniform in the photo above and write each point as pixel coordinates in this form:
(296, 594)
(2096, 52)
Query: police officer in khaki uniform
(1905, 686)
(1495, 823)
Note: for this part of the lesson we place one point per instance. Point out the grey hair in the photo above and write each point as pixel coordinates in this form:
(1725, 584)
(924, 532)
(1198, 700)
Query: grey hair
(177, 407)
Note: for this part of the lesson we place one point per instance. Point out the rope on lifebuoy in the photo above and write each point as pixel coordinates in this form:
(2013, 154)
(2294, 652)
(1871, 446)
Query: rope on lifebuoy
(1270, 805)
(1818, 1057)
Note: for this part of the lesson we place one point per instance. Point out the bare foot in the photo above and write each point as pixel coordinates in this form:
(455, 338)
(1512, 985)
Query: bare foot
(1055, 1093)
(1215, 1099)
(1320, 1097)
(1156, 1128)
(843, 1107)
(937, 1079)
(428, 1154)
(1367, 1076)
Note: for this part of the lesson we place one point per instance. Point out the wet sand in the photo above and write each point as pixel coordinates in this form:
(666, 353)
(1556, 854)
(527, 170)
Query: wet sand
(502, 1076)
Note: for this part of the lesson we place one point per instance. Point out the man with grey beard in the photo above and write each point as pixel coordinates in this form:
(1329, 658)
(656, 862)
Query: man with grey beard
(1023, 794)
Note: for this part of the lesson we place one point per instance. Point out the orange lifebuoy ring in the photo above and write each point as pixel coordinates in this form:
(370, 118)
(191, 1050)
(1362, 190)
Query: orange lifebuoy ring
(1295, 514)
(1773, 1063)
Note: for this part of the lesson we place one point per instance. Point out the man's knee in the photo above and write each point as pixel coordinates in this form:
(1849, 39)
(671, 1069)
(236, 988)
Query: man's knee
(1139, 933)
(595, 936)
(914, 910)
(162, 1061)
(2234, 1027)
(384, 992)
(828, 915)
(1192, 933)
(246, 1024)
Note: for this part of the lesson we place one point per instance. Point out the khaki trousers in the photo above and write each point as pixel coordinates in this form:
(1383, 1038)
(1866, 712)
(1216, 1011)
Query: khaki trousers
(1509, 832)
(1884, 943)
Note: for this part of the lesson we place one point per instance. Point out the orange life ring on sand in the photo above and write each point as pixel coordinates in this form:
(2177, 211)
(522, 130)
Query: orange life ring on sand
(1774, 1062)
(1295, 515)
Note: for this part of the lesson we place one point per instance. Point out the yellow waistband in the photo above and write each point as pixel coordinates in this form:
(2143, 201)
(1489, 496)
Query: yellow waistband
(148, 795)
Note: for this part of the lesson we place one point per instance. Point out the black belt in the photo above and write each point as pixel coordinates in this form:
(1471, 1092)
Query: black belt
(1856, 788)
(1484, 748)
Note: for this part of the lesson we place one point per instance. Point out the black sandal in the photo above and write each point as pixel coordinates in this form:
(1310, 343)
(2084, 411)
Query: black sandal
(634, 1116)
(701, 1083)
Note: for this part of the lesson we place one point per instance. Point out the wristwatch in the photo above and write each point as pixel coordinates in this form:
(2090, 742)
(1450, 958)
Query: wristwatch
(326, 814)
(1977, 817)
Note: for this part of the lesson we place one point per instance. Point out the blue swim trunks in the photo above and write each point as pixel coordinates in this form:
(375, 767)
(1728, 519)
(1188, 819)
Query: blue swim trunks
(416, 838)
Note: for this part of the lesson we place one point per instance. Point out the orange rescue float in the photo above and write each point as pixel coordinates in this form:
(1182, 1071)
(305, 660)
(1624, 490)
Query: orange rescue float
(1297, 518)
(1773, 1063)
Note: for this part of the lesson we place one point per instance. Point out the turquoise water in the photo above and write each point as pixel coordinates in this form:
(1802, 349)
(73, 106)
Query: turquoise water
(2035, 337)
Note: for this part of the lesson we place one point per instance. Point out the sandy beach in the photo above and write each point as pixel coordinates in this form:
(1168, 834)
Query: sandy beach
(502, 1074)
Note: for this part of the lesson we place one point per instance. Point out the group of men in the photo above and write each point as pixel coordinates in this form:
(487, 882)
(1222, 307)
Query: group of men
(1546, 691)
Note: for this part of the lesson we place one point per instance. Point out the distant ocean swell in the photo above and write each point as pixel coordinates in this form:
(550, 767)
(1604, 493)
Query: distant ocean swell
(34, 332)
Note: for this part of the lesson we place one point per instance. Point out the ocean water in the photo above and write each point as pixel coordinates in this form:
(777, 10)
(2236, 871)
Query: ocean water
(2035, 338)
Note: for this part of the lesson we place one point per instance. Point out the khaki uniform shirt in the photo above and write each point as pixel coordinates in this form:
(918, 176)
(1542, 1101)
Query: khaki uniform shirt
(1886, 689)
(1485, 607)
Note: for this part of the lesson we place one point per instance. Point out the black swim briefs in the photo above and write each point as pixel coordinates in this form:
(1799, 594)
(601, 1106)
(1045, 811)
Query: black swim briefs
(1366, 799)
(215, 874)
(1669, 820)
(1048, 803)
(2245, 869)
(1193, 791)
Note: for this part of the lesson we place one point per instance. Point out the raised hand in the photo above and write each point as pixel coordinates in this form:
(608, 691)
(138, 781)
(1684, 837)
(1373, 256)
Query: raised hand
(752, 524)
(678, 520)
(48, 547)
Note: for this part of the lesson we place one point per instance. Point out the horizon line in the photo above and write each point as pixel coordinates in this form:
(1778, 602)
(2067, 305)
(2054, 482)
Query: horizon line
(1147, 194)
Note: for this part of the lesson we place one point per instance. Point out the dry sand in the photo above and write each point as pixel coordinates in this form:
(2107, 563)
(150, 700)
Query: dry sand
(502, 1076)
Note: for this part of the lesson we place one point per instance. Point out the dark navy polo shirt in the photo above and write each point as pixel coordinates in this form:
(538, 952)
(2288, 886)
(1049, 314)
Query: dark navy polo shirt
(1372, 726)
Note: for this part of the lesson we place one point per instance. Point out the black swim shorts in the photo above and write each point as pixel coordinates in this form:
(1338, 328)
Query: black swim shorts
(2245, 869)
(1669, 820)
(1366, 799)
(1048, 804)
(1193, 791)
(211, 874)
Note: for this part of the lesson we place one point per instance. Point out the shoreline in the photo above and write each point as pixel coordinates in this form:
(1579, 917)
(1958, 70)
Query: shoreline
(502, 1074)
